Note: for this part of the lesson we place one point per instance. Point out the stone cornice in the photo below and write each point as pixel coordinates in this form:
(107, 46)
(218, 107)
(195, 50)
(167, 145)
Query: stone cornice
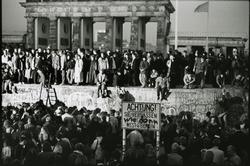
(123, 7)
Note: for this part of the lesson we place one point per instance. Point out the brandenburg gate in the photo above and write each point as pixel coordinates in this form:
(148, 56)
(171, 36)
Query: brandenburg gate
(65, 24)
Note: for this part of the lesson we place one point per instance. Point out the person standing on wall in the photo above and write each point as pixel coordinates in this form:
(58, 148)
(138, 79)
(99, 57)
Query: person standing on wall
(171, 71)
(200, 69)
(63, 59)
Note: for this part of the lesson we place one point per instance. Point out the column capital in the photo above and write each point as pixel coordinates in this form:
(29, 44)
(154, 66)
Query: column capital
(75, 19)
(30, 18)
(52, 18)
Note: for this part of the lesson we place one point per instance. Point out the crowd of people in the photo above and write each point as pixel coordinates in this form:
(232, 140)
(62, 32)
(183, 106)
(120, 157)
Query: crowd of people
(61, 135)
(123, 68)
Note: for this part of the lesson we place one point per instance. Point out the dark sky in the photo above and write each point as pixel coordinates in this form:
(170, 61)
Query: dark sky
(228, 17)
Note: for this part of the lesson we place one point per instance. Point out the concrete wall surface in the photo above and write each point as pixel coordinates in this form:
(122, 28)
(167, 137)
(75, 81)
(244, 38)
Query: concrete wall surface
(198, 101)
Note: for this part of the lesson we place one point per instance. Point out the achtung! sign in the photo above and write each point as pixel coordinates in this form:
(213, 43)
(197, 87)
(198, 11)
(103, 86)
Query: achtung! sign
(142, 116)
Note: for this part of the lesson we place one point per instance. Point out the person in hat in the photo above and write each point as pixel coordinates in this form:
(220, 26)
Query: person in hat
(200, 70)
(188, 78)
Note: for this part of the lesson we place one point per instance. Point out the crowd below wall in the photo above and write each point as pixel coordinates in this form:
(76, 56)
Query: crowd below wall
(61, 135)
(123, 68)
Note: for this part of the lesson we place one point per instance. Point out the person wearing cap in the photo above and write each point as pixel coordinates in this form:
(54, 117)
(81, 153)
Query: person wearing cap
(200, 70)
(188, 78)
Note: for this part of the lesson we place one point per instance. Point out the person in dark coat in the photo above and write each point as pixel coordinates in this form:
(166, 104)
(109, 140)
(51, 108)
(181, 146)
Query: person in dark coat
(21, 67)
(200, 69)
(91, 75)
(135, 70)
(171, 71)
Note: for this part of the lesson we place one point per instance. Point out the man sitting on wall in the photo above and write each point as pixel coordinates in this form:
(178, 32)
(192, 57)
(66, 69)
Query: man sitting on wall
(101, 84)
(188, 79)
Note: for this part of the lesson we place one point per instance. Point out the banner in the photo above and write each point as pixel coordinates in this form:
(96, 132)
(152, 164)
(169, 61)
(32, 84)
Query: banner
(141, 116)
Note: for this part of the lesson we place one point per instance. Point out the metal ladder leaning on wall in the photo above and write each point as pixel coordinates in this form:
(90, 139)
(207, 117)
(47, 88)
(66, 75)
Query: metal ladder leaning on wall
(51, 93)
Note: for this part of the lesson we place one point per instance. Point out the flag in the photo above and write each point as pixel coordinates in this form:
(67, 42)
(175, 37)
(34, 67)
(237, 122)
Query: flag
(202, 8)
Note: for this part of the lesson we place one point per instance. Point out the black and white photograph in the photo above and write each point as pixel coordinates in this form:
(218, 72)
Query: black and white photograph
(125, 83)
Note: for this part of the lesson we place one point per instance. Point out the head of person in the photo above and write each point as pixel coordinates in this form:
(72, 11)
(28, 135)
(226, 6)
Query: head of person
(216, 141)
(202, 59)
(58, 149)
(101, 71)
(196, 53)
(133, 55)
(29, 120)
(92, 58)
(102, 55)
(48, 119)
(208, 114)
(231, 150)
(171, 57)
(175, 148)
(185, 53)
(235, 52)
(39, 50)
(48, 51)
(78, 51)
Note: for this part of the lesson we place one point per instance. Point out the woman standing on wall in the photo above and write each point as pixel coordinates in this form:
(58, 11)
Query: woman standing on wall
(78, 70)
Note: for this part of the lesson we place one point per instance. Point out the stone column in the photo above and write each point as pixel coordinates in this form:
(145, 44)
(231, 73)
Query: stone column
(117, 33)
(75, 33)
(86, 33)
(36, 32)
(109, 33)
(30, 33)
(58, 33)
(134, 33)
(53, 32)
(142, 33)
(161, 34)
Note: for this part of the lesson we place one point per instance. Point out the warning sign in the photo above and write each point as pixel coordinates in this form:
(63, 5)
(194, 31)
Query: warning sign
(141, 116)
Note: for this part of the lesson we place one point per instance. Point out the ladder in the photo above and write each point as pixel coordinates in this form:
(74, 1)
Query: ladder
(51, 96)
